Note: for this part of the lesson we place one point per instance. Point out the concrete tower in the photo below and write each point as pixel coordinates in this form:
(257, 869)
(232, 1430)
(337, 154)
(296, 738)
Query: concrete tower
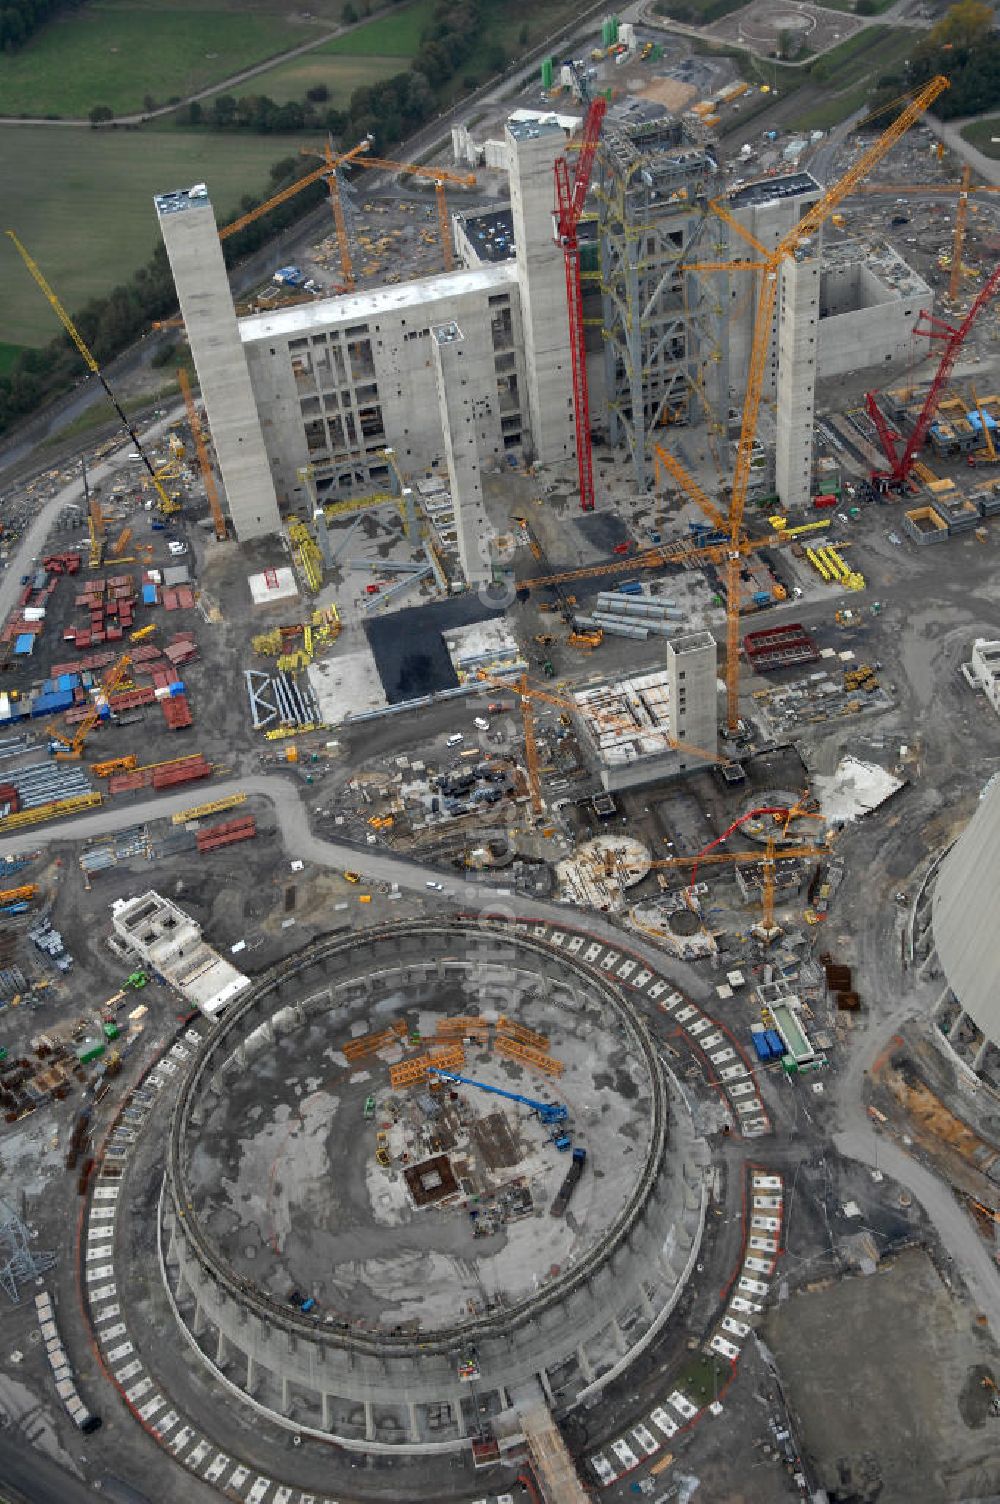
(464, 383)
(694, 693)
(191, 238)
(532, 150)
(798, 337)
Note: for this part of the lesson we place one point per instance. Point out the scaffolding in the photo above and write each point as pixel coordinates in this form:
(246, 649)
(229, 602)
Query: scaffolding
(652, 185)
(20, 1262)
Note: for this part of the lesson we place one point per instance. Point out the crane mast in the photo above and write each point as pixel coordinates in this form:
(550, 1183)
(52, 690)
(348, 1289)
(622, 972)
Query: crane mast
(570, 198)
(93, 367)
(769, 268)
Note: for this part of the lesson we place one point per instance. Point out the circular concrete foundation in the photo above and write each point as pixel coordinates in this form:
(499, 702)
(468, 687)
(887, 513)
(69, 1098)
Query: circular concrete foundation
(390, 1263)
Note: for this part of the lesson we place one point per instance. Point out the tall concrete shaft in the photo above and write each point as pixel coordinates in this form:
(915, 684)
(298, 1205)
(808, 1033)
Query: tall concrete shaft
(692, 682)
(541, 275)
(798, 337)
(467, 399)
(191, 238)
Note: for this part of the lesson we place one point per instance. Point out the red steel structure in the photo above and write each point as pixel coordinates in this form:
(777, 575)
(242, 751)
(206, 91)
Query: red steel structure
(570, 199)
(900, 464)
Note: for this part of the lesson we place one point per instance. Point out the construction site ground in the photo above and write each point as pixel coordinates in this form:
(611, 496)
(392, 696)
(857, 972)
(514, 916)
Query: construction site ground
(898, 1415)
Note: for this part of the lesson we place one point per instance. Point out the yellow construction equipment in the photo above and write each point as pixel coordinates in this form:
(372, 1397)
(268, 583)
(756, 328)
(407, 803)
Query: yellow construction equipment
(767, 295)
(18, 895)
(115, 765)
(214, 807)
(358, 156)
(586, 640)
(204, 463)
(527, 694)
(121, 543)
(71, 748)
(305, 552)
(958, 243)
(962, 192)
(52, 811)
(336, 206)
(765, 859)
(95, 527)
(141, 634)
(166, 503)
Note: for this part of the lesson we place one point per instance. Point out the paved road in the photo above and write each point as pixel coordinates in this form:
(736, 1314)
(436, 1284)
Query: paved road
(859, 1140)
(28, 1476)
(302, 843)
(950, 132)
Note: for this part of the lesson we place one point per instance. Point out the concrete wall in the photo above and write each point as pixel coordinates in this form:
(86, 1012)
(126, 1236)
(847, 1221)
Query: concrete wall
(338, 380)
(470, 420)
(798, 343)
(541, 276)
(694, 694)
(191, 239)
(567, 1335)
(863, 322)
(768, 221)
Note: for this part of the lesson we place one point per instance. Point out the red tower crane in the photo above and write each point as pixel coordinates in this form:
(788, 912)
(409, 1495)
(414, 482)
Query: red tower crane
(569, 207)
(900, 464)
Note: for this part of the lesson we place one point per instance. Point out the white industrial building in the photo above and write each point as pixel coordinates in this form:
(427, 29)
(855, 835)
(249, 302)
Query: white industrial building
(330, 384)
(983, 670)
(159, 934)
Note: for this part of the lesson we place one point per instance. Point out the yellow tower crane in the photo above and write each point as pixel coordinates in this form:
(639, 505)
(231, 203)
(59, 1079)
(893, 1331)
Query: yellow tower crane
(770, 264)
(204, 463)
(167, 504)
(527, 695)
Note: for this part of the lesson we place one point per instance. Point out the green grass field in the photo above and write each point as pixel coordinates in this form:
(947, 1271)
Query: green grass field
(115, 52)
(845, 76)
(341, 75)
(95, 222)
(395, 35)
(984, 134)
(373, 51)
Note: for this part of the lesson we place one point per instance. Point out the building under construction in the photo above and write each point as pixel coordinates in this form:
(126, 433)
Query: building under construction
(326, 386)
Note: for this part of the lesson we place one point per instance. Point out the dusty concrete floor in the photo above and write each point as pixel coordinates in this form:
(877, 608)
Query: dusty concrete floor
(288, 1181)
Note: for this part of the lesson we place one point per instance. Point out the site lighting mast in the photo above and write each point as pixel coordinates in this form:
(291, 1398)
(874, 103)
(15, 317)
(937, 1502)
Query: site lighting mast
(570, 198)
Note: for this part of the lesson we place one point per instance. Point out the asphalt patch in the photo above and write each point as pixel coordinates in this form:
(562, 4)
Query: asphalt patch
(409, 646)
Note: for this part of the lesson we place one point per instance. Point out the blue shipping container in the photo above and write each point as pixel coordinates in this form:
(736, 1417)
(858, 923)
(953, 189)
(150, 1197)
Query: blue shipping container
(761, 1045)
(775, 1044)
(630, 587)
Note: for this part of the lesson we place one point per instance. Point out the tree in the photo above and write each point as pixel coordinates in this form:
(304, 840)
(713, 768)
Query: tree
(100, 114)
(318, 94)
(785, 43)
(349, 15)
(224, 110)
(522, 36)
(965, 25)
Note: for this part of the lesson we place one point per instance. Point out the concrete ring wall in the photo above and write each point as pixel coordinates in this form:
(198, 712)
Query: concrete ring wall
(396, 1389)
